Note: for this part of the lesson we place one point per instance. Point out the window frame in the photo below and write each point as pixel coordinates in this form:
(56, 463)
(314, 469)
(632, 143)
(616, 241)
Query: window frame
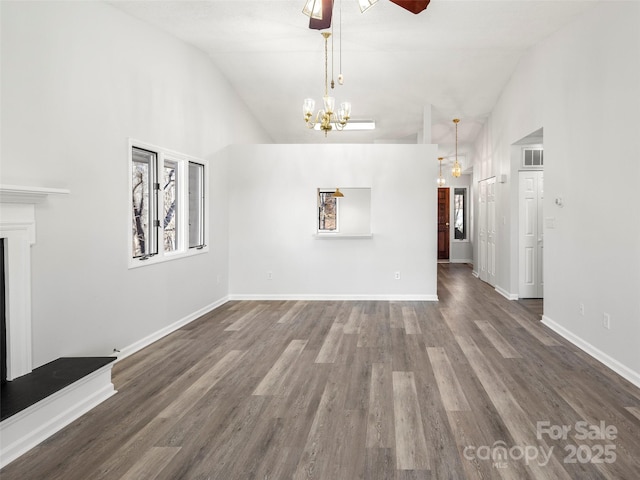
(151, 240)
(532, 148)
(465, 215)
(181, 162)
(322, 231)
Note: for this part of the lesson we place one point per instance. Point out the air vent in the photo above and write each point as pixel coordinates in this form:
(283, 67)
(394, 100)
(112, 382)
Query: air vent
(532, 157)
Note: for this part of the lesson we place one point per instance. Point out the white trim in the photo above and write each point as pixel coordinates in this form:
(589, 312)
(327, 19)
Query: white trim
(23, 431)
(505, 294)
(163, 332)
(335, 236)
(475, 273)
(18, 227)
(621, 369)
(335, 297)
(460, 260)
(24, 194)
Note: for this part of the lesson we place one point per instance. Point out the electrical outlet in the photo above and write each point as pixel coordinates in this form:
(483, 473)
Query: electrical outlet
(269, 275)
(397, 276)
(581, 309)
(606, 321)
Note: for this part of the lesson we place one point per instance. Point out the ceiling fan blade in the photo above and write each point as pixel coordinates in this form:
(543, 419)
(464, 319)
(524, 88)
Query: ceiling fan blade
(324, 22)
(414, 6)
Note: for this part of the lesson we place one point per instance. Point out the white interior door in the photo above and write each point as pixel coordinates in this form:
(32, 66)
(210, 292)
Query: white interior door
(482, 230)
(491, 231)
(531, 239)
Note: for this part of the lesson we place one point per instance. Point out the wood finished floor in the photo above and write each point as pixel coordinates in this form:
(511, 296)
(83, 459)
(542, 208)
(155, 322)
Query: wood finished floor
(350, 390)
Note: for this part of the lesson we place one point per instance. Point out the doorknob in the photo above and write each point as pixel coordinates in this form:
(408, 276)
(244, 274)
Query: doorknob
(447, 224)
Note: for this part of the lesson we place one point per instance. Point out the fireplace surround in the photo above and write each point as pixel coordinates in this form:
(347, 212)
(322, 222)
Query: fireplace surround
(25, 428)
(18, 228)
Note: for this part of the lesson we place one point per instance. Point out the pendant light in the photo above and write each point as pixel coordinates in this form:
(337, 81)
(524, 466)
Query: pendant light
(457, 170)
(327, 118)
(441, 180)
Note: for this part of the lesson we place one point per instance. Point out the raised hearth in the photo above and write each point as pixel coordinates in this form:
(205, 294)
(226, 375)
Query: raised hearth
(38, 404)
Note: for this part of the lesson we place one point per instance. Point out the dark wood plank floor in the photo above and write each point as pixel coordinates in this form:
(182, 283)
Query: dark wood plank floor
(471, 387)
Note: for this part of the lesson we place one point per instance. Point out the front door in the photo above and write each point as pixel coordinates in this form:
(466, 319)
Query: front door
(443, 223)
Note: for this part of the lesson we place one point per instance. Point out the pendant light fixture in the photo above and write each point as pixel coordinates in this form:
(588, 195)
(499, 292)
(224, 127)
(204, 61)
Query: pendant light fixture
(457, 170)
(327, 118)
(441, 180)
(337, 193)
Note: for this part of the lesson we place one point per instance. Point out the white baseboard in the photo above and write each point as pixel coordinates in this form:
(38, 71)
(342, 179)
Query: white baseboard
(475, 273)
(621, 369)
(330, 297)
(458, 260)
(163, 332)
(26, 429)
(507, 295)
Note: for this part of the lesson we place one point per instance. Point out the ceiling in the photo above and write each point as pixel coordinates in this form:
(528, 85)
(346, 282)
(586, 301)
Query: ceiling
(456, 56)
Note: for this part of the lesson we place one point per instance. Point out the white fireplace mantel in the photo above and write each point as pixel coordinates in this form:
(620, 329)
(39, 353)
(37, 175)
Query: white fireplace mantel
(18, 228)
(28, 195)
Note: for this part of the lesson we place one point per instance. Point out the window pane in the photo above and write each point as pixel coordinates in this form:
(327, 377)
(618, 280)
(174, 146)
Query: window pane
(143, 178)
(460, 214)
(196, 205)
(327, 212)
(169, 197)
(528, 158)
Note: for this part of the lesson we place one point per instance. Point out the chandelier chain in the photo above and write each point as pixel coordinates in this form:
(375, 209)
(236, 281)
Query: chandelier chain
(326, 62)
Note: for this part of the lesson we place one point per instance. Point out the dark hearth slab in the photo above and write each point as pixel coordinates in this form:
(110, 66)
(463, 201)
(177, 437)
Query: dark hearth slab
(46, 380)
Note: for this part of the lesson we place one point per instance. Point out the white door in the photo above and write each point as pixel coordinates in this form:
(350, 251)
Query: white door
(482, 230)
(531, 244)
(491, 231)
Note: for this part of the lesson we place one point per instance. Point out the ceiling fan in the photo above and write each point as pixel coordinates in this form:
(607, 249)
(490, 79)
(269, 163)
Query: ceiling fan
(321, 11)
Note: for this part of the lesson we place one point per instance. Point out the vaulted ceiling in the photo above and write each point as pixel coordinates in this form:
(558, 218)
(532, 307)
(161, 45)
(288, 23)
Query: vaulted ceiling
(456, 56)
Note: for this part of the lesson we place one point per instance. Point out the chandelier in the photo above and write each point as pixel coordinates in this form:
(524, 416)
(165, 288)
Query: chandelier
(441, 180)
(457, 170)
(327, 118)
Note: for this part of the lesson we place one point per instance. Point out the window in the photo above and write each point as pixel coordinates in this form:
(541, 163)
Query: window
(196, 205)
(144, 206)
(327, 211)
(532, 157)
(168, 198)
(169, 201)
(460, 213)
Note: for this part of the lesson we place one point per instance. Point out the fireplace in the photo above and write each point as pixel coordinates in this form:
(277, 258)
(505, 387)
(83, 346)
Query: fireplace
(18, 233)
(31, 409)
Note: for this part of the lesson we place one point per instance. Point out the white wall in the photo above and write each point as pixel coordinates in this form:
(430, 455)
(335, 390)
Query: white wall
(273, 221)
(583, 86)
(354, 211)
(78, 79)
